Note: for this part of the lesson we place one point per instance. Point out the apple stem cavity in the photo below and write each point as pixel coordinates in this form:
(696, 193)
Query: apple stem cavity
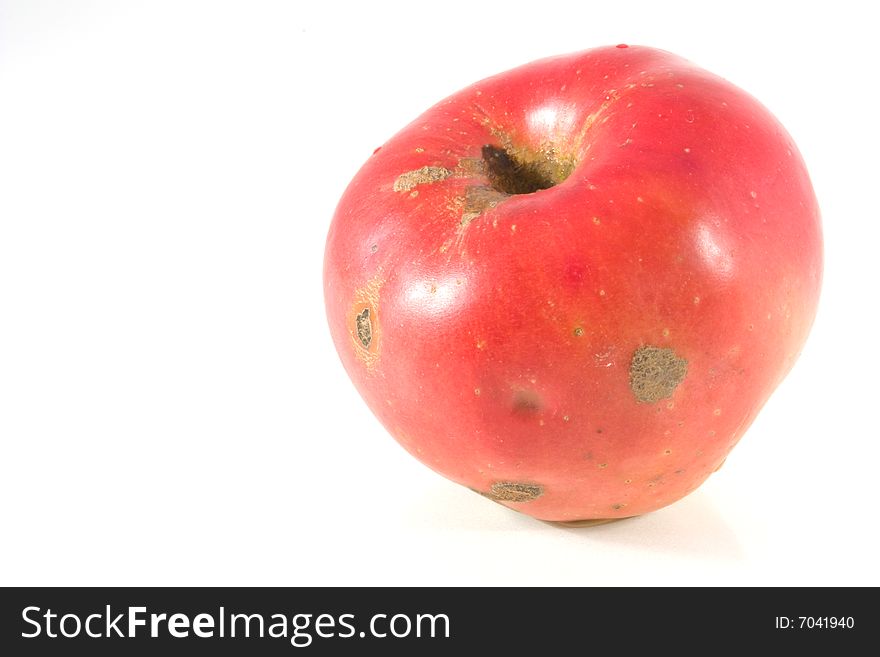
(520, 171)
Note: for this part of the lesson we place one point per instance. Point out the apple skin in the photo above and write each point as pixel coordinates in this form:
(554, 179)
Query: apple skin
(592, 349)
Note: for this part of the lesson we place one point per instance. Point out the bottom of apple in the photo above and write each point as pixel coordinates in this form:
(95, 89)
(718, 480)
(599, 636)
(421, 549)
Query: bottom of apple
(584, 523)
(515, 492)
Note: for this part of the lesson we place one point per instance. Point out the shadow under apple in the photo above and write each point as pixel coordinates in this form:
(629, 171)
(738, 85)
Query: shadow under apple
(692, 526)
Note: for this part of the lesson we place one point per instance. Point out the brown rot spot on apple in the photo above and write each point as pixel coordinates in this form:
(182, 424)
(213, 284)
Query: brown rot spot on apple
(655, 373)
(363, 323)
(364, 328)
(426, 175)
(512, 491)
(526, 402)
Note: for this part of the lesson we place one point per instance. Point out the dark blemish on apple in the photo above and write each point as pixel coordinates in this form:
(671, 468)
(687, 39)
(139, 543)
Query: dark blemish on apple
(526, 402)
(578, 332)
(426, 175)
(617, 507)
(655, 373)
(364, 328)
(511, 491)
(374, 248)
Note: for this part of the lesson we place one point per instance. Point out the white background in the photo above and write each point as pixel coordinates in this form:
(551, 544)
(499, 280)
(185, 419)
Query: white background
(172, 410)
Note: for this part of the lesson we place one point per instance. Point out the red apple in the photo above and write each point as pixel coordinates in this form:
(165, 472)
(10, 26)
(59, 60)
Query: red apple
(572, 286)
